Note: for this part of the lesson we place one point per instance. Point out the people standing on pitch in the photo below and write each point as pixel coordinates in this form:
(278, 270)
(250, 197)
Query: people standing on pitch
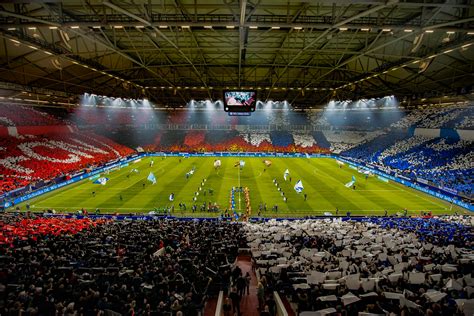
(305, 196)
(93, 193)
(151, 163)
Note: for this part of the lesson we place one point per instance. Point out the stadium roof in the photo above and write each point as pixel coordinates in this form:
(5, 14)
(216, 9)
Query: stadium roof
(175, 50)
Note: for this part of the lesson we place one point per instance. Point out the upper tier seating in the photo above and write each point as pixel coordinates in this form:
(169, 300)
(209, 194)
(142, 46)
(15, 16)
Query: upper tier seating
(445, 117)
(256, 139)
(345, 140)
(281, 138)
(304, 140)
(19, 115)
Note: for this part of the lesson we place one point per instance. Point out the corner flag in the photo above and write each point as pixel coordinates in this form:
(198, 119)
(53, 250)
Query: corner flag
(151, 178)
(299, 186)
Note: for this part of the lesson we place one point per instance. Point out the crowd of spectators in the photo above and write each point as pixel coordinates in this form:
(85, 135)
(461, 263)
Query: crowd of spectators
(159, 267)
(442, 161)
(344, 140)
(256, 139)
(398, 266)
(405, 266)
(233, 141)
(403, 146)
(22, 115)
(443, 119)
(194, 138)
(304, 139)
(34, 158)
(438, 117)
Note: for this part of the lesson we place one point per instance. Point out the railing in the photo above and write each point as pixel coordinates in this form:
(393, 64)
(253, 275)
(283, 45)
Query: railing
(280, 307)
(220, 303)
(228, 127)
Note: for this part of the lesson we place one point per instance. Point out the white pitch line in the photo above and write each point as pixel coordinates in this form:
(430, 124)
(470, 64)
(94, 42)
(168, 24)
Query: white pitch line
(415, 193)
(90, 207)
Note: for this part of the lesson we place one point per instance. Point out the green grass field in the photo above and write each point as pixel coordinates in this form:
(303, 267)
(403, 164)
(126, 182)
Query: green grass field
(323, 183)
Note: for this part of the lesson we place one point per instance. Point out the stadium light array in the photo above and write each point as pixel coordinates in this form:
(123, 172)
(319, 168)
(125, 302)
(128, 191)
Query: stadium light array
(93, 100)
(373, 103)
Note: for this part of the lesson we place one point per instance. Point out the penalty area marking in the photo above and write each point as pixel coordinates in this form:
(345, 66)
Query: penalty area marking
(65, 189)
(415, 193)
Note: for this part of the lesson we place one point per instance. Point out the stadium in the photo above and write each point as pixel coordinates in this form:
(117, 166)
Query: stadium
(236, 157)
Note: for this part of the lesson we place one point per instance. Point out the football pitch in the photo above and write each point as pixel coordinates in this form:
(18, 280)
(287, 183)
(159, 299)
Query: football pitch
(129, 191)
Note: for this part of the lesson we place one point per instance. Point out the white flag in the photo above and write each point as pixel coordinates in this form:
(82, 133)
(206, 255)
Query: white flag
(299, 186)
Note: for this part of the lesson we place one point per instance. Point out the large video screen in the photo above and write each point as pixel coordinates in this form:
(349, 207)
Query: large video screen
(240, 101)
